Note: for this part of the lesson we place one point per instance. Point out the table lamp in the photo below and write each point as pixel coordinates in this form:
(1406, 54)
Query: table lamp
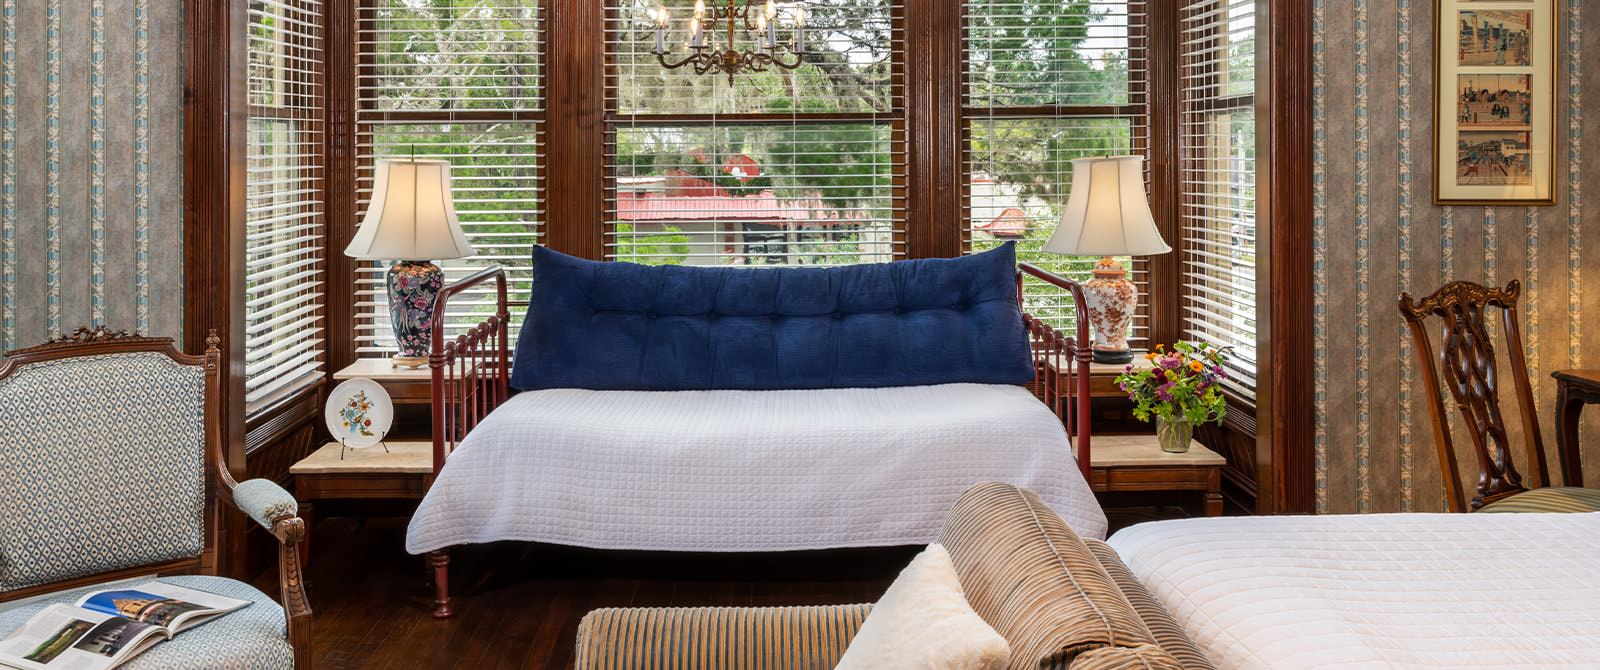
(1108, 215)
(412, 221)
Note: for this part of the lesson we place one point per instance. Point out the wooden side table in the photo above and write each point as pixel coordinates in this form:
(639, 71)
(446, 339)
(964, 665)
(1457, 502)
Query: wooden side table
(406, 386)
(1137, 463)
(1574, 389)
(404, 472)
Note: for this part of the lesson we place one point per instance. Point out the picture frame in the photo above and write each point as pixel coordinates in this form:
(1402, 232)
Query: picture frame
(1494, 102)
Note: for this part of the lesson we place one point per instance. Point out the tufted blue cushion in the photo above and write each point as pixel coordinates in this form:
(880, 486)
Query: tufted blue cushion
(620, 326)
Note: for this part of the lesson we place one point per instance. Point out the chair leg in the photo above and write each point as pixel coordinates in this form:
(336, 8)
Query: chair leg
(441, 583)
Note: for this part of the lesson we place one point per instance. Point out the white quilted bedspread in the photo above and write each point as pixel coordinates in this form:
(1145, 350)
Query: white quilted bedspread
(745, 470)
(1382, 591)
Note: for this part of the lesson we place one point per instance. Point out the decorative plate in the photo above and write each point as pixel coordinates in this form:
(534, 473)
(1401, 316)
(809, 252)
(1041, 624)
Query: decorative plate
(359, 413)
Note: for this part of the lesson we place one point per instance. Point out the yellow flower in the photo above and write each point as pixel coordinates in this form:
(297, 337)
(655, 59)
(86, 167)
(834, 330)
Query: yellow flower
(1150, 356)
(1197, 366)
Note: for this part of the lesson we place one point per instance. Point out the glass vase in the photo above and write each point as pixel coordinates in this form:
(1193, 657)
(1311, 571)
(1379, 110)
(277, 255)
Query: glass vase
(1174, 435)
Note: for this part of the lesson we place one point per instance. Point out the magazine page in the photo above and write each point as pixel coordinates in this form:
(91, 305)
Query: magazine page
(161, 604)
(62, 637)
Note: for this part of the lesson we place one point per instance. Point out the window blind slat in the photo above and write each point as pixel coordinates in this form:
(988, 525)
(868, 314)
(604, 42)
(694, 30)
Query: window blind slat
(284, 216)
(689, 183)
(431, 62)
(1047, 58)
(1217, 181)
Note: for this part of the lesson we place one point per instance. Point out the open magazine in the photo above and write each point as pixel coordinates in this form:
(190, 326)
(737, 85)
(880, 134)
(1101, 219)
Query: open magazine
(106, 628)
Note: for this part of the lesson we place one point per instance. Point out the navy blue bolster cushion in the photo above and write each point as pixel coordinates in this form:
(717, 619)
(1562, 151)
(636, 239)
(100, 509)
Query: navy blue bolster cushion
(621, 326)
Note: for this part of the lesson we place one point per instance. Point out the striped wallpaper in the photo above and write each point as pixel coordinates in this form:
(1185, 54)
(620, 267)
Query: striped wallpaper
(1377, 233)
(90, 190)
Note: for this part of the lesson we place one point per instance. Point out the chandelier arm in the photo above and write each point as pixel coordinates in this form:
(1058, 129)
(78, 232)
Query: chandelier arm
(691, 58)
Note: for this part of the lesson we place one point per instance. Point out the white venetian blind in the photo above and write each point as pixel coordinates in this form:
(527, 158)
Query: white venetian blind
(1048, 81)
(780, 167)
(1217, 188)
(461, 81)
(285, 223)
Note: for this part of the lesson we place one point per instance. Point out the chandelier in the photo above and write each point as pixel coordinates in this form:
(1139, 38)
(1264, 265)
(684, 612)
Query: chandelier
(707, 57)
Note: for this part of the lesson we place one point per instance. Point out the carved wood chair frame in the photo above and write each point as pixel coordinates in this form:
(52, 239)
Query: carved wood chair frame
(1466, 360)
(288, 529)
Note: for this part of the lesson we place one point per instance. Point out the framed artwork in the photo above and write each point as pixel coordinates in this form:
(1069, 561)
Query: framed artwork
(1494, 102)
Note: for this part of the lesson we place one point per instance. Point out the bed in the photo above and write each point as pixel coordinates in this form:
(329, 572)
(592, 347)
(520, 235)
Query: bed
(739, 409)
(745, 471)
(1385, 591)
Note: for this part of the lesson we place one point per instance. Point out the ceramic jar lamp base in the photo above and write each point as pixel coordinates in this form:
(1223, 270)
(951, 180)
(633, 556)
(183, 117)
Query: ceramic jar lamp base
(412, 287)
(1111, 298)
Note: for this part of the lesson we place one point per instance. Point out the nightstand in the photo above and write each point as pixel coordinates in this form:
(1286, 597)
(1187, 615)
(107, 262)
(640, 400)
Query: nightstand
(403, 472)
(1137, 463)
(406, 386)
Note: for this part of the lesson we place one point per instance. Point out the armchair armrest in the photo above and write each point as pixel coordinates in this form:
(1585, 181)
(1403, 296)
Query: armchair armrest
(272, 507)
(717, 637)
(265, 501)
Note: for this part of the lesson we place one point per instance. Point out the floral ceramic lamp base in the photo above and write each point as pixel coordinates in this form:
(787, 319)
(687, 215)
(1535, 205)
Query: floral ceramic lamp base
(412, 288)
(1110, 298)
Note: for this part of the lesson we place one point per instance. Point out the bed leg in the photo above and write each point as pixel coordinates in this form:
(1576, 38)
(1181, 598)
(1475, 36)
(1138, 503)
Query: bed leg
(441, 583)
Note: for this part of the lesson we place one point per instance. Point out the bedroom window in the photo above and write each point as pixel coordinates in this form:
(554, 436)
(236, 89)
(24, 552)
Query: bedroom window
(460, 81)
(779, 168)
(1048, 81)
(286, 229)
(1216, 207)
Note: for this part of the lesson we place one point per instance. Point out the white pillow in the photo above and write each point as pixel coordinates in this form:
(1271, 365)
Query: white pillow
(924, 622)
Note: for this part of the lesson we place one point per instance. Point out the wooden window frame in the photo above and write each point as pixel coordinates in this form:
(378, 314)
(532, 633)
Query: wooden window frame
(935, 144)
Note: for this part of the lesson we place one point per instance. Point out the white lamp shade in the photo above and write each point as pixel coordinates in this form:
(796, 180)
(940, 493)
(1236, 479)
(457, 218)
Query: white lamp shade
(412, 215)
(1107, 213)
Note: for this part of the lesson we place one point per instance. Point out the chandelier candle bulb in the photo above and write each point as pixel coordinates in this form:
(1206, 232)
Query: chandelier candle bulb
(660, 15)
(799, 30)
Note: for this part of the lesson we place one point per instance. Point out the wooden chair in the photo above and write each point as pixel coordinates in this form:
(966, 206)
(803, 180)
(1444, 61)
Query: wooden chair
(111, 469)
(1468, 368)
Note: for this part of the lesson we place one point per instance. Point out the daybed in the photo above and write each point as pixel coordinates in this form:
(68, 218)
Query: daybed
(723, 409)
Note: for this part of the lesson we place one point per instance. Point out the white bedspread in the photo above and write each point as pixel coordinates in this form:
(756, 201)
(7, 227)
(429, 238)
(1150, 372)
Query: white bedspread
(745, 470)
(1383, 591)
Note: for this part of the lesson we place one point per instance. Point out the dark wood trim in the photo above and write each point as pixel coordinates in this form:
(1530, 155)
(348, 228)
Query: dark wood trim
(1286, 395)
(576, 138)
(214, 122)
(1163, 42)
(340, 152)
(935, 139)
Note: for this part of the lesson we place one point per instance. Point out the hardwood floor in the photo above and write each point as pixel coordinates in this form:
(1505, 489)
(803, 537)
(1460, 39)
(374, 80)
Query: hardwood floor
(518, 605)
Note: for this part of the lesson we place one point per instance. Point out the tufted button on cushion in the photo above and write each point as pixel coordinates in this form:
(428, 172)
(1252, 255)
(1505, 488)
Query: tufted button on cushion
(621, 326)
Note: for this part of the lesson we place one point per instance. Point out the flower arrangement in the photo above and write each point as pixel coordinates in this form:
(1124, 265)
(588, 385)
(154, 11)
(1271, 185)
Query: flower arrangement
(1183, 386)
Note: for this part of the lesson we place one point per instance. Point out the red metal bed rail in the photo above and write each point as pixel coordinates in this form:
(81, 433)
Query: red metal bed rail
(1061, 363)
(471, 372)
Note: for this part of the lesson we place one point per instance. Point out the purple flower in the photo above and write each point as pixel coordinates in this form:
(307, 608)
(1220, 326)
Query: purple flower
(1164, 392)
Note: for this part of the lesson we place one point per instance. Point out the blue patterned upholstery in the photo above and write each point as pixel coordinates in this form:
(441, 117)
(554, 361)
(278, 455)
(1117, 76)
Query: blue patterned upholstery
(249, 639)
(102, 466)
(264, 501)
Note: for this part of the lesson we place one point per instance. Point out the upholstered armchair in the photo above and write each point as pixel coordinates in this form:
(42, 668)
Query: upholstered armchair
(111, 470)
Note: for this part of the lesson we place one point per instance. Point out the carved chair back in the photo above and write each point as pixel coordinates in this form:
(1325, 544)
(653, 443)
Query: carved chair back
(110, 450)
(1466, 365)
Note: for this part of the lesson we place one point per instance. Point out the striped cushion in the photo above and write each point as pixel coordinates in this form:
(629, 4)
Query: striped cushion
(1558, 499)
(1027, 574)
(1166, 630)
(709, 638)
(1147, 657)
